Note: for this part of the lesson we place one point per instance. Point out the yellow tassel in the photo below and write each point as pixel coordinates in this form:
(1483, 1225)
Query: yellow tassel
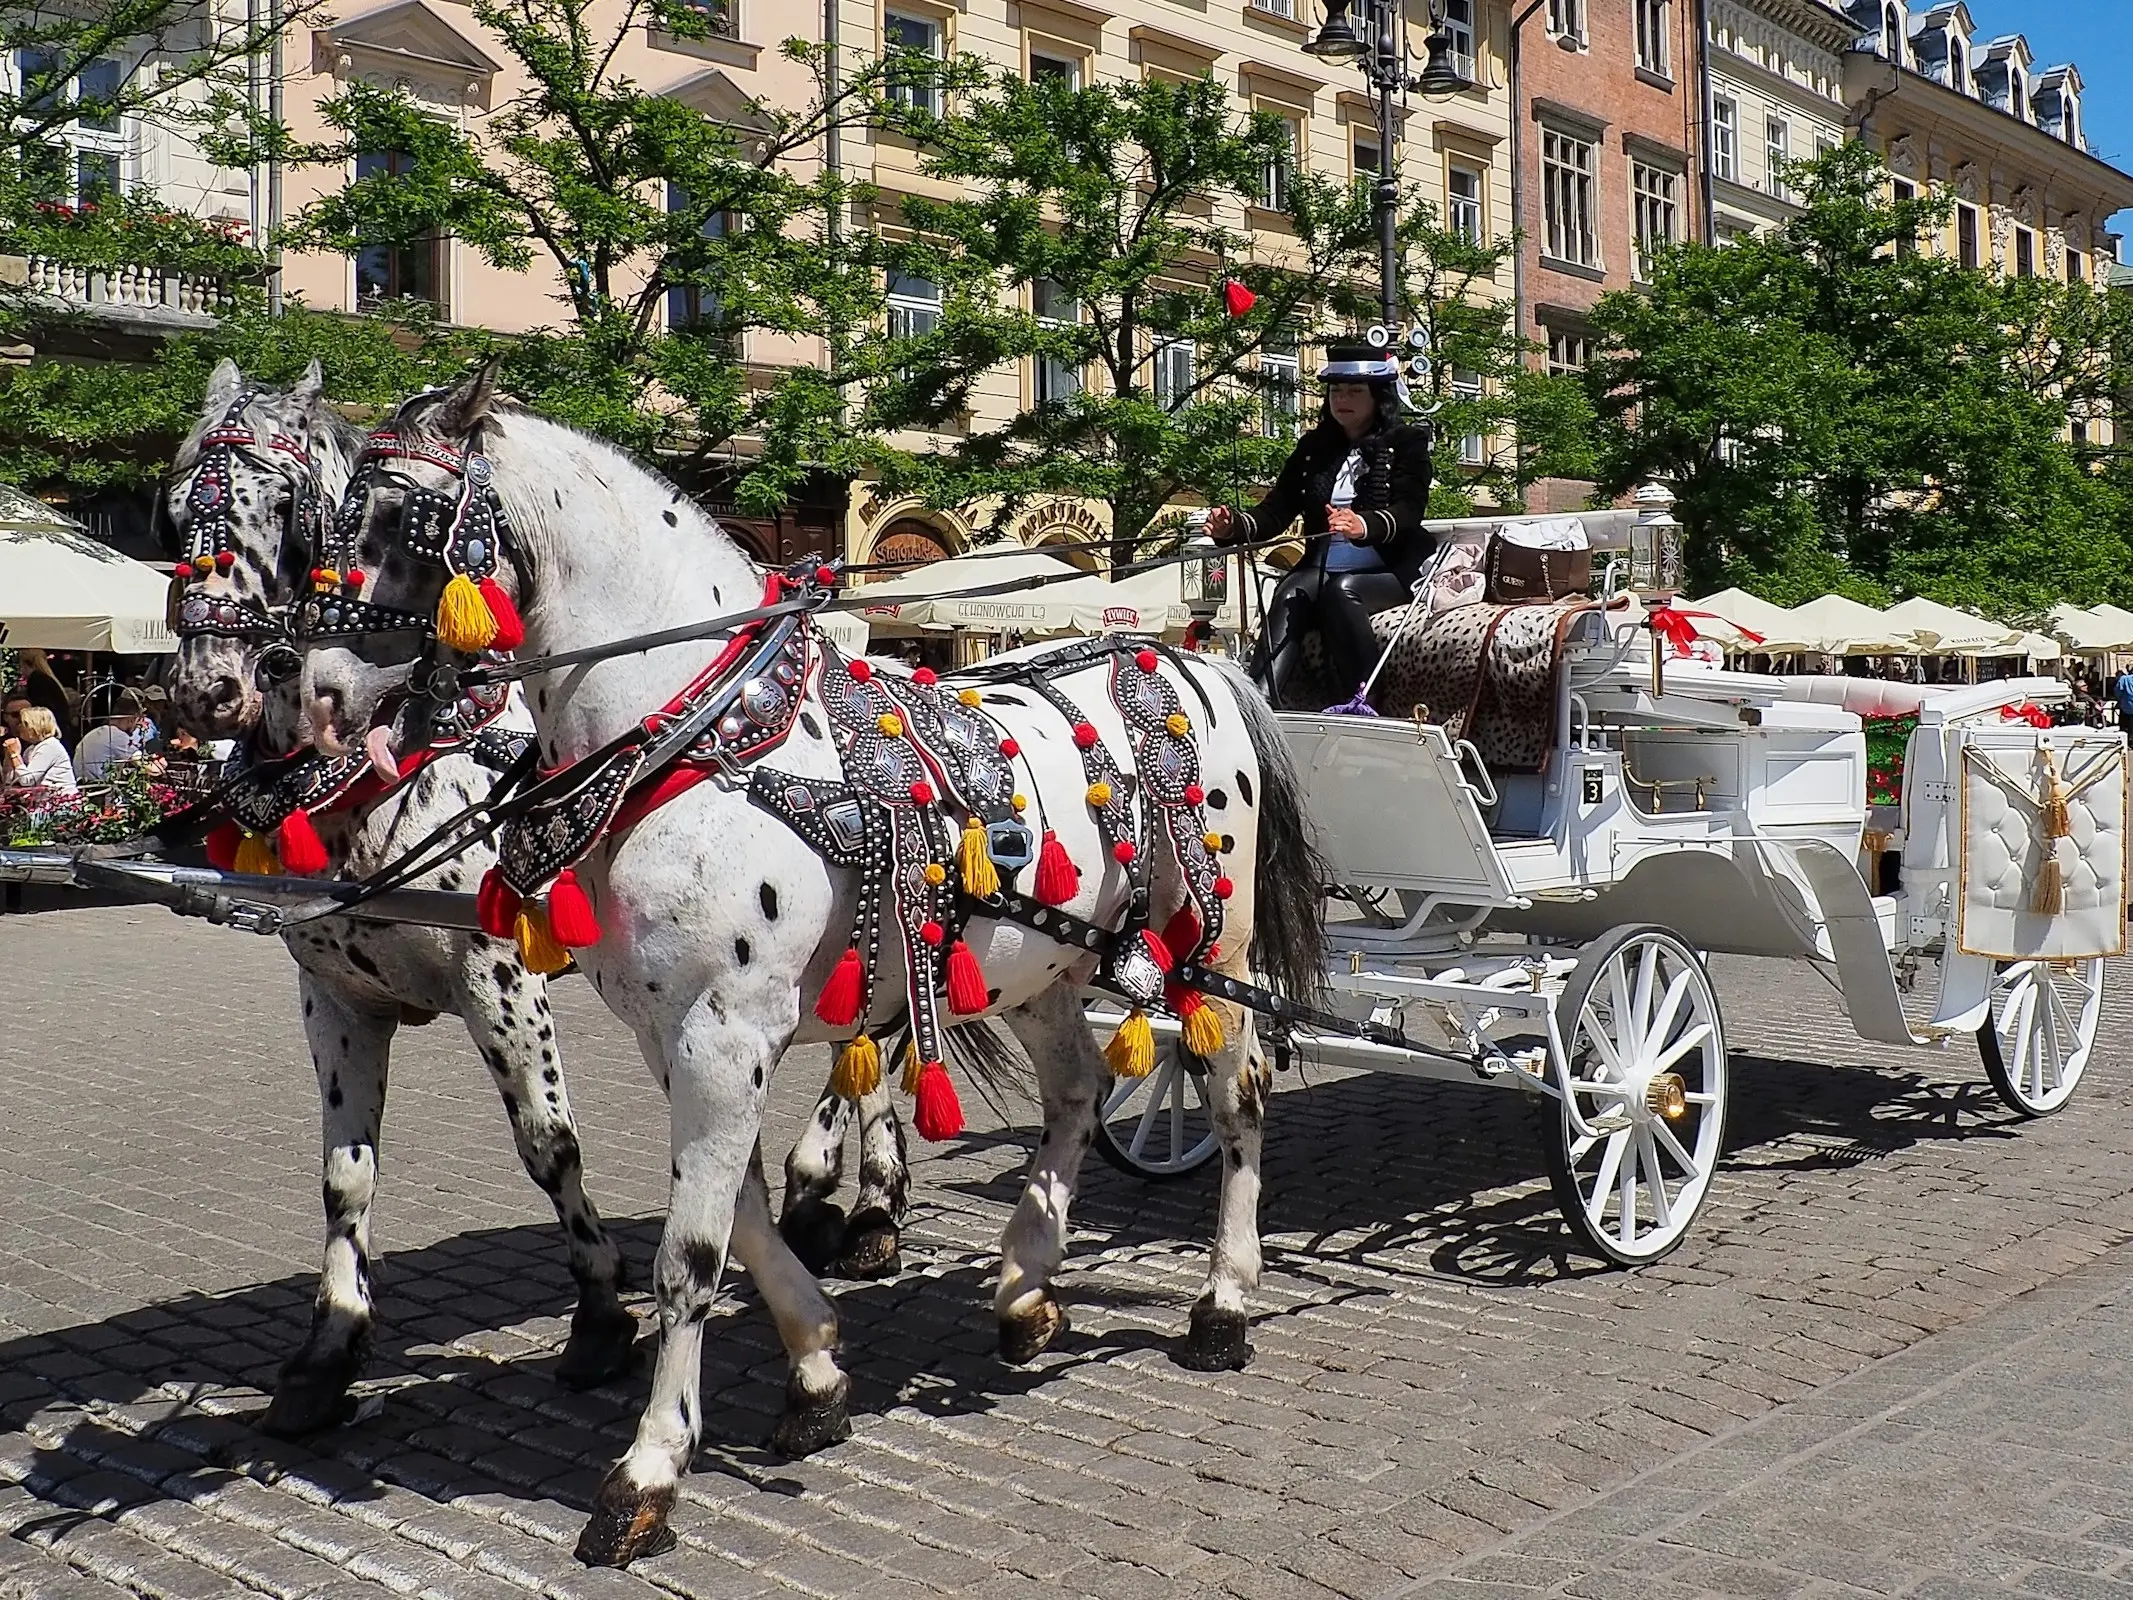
(2049, 897)
(464, 620)
(1131, 1052)
(858, 1070)
(980, 877)
(911, 1066)
(1203, 1032)
(256, 855)
(537, 945)
(2057, 821)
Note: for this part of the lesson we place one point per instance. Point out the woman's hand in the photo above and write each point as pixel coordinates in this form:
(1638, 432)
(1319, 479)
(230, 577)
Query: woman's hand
(1220, 520)
(1341, 520)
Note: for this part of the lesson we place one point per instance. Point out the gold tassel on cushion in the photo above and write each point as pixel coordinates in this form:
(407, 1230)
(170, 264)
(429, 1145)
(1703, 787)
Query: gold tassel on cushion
(912, 1066)
(537, 945)
(256, 855)
(858, 1070)
(980, 877)
(1131, 1052)
(2056, 820)
(464, 621)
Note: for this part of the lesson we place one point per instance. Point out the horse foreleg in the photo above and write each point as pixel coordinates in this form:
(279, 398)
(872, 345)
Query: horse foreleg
(873, 1240)
(812, 1221)
(1238, 1083)
(506, 1012)
(350, 1050)
(1071, 1079)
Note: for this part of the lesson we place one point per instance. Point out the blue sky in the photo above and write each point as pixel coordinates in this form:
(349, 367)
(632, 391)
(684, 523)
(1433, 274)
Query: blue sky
(2097, 35)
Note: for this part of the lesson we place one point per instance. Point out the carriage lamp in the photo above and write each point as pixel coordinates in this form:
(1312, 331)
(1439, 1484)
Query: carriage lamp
(1654, 541)
(1204, 579)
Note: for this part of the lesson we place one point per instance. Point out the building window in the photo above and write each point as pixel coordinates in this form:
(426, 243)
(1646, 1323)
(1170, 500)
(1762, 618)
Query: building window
(1057, 380)
(1173, 372)
(1459, 37)
(1473, 447)
(1652, 54)
(1966, 251)
(1892, 33)
(1567, 167)
(1777, 151)
(2025, 253)
(914, 86)
(2070, 120)
(2077, 269)
(1276, 8)
(1654, 193)
(690, 305)
(914, 306)
(1566, 18)
(1902, 190)
(1725, 139)
(1958, 65)
(1363, 155)
(1280, 175)
(2078, 430)
(1062, 70)
(386, 272)
(1462, 203)
(78, 160)
(1281, 374)
(1824, 143)
(1568, 351)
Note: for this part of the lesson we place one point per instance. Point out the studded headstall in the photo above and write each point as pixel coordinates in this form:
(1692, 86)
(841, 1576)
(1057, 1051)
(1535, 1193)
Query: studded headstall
(194, 611)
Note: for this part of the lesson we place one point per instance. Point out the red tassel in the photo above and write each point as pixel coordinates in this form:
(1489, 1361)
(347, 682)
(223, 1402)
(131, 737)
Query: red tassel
(510, 631)
(966, 982)
(1236, 298)
(299, 846)
(496, 905)
(838, 1004)
(221, 845)
(1058, 879)
(1181, 933)
(939, 1114)
(570, 914)
(1158, 949)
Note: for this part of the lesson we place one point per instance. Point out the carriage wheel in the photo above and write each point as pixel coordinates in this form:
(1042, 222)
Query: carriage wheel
(2037, 1041)
(1158, 1127)
(1645, 1063)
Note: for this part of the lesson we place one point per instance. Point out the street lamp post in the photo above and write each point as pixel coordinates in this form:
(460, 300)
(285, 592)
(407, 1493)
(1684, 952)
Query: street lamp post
(1379, 52)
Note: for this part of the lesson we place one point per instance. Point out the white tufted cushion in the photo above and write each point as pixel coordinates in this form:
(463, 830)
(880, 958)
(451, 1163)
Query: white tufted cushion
(2003, 788)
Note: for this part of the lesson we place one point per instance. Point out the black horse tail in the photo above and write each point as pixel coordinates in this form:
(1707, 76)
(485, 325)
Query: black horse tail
(1288, 903)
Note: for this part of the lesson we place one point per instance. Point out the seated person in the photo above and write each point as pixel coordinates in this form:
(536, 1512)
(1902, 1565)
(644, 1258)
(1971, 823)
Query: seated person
(114, 742)
(32, 756)
(1360, 482)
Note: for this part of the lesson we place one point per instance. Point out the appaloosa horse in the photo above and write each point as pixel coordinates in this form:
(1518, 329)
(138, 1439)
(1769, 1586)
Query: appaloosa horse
(726, 919)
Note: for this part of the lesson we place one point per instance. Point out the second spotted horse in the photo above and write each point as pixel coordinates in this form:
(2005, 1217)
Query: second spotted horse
(749, 841)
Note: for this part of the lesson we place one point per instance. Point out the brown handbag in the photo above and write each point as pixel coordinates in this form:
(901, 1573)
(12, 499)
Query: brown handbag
(1520, 574)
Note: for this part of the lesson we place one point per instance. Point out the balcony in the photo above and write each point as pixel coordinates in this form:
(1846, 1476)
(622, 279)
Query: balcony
(136, 295)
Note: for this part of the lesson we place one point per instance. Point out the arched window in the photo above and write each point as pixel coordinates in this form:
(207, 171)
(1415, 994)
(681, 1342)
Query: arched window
(2070, 122)
(2017, 93)
(1892, 33)
(1958, 65)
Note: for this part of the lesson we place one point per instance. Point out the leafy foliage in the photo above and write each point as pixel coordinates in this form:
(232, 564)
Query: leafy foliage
(132, 800)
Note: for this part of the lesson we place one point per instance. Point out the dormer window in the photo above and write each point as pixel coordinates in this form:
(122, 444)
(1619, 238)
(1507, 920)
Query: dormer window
(1958, 64)
(1892, 33)
(2017, 94)
(2070, 121)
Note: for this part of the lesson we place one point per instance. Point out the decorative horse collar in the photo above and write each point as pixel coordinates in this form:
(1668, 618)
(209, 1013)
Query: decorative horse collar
(211, 537)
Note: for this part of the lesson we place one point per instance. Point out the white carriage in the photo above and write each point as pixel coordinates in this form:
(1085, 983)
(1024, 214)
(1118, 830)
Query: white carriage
(1548, 933)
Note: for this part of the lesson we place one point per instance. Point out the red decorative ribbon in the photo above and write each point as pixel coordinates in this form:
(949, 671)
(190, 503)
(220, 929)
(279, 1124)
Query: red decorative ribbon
(1673, 622)
(2035, 716)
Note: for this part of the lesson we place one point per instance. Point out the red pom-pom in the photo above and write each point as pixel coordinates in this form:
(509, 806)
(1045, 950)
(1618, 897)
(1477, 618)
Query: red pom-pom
(1085, 734)
(932, 932)
(318, 574)
(1194, 794)
(838, 1004)
(182, 570)
(1010, 748)
(861, 669)
(939, 1114)
(966, 982)
(925, 677)
(221, 845)
(1058, 879)
(1123, 852)
(1158, 950)
(825, 574)
(570, 913)
(922, 793)
(1145, 660)
(1224, 888)
(510, 631)
(226, 559)
(354, 580)
(298, 844)
(496, 905)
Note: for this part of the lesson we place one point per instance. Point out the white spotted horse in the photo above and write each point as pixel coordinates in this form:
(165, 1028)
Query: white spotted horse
(256, 470)
(749, 840)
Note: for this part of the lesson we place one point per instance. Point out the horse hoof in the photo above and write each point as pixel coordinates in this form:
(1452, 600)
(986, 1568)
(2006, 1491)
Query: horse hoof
(627, 1522)
(603, 1345)
(815, 1231)
(812, 1421)
(872, 1246)
(1026, 1335)
(1215, 1340)
(310, 1399)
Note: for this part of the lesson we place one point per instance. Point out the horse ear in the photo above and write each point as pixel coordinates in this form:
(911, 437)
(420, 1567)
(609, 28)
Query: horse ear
(309, 387)
(223, 385)
(466, 406)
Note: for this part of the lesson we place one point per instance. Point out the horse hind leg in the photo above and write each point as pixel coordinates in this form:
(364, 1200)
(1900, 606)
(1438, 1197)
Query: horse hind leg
(873, 1238)
(812, 1221)
(507, 1015)
(1238, 1083)
(350, 1051)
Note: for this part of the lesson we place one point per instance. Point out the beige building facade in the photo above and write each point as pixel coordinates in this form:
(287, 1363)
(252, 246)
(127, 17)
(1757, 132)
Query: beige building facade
(1775, 94)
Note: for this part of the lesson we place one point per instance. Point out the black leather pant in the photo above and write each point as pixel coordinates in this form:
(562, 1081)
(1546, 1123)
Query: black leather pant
(1339, 605)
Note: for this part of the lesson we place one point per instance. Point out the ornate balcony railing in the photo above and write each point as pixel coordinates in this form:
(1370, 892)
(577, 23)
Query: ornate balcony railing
(132, 291)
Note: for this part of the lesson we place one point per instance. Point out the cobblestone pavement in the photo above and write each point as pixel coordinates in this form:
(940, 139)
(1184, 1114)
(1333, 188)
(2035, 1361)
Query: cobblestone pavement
(1446, 1397)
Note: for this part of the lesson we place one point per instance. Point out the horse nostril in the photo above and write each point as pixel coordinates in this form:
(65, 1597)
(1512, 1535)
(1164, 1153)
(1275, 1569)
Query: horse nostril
(228, 692)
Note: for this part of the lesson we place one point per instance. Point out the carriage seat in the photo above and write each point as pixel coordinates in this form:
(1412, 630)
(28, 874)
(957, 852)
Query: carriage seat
(1865, 697)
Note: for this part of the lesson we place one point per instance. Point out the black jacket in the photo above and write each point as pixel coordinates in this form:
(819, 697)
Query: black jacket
(1391, 496)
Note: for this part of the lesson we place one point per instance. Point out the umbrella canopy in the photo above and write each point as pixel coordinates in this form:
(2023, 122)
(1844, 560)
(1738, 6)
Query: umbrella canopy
(2087, 632)
(1837, 626)
(1944, 631)
(2119, 618)
(1066, 601)
(1734, 615)
(2033, 646)
(61, 590)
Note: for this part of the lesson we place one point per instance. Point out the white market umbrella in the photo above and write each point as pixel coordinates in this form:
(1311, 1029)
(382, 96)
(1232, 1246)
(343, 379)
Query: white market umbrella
(1737, 620)
(2118, 619)
(2031, 646)
(61, 590)
(2086, 633)
(1837, 626)
(1945, 631)
(935, 598)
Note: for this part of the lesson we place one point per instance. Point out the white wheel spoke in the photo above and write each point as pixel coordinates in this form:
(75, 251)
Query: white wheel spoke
(1177, 1114)
(1597, 1035)
(1665, 1136)
(1610, 1164)
(1147, 1123)
(1625, 1029)
(1640, 1029)
(1648, 1157)
(1691, 1040)
(1626, 1217)
(1669, 1008)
